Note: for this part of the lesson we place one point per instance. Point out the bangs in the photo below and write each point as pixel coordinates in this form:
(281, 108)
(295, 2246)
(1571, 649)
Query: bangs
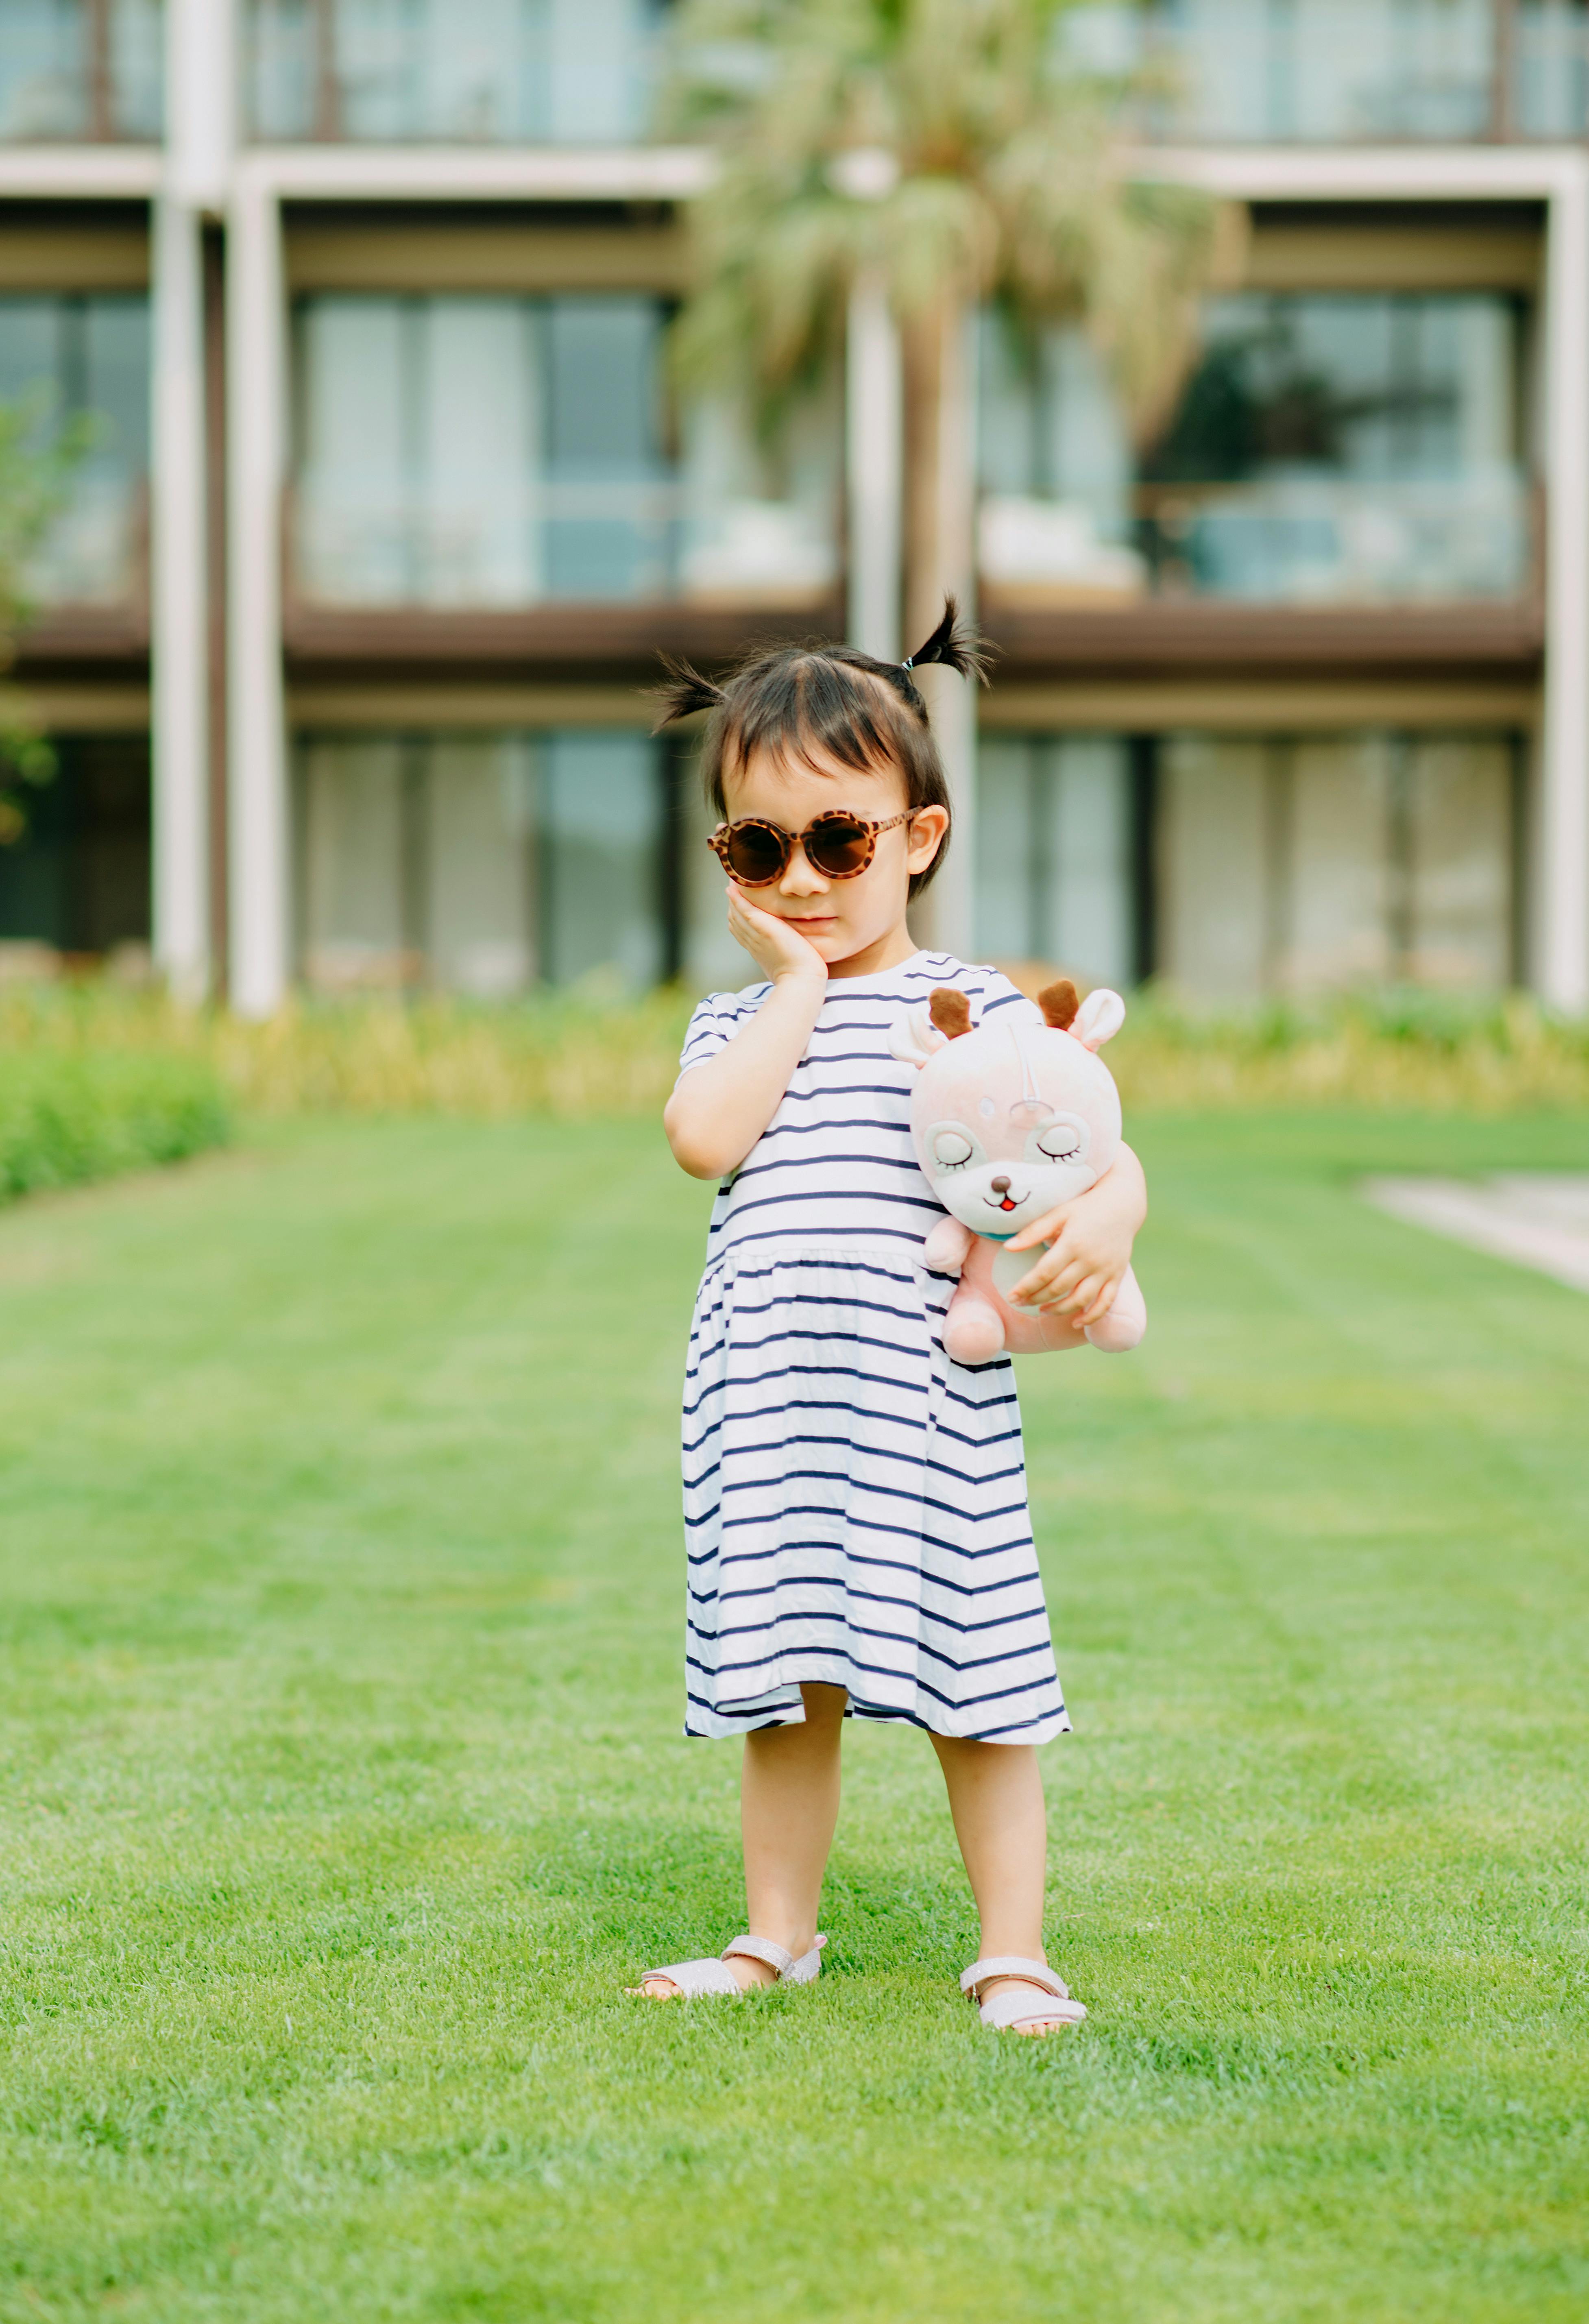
(815, 706)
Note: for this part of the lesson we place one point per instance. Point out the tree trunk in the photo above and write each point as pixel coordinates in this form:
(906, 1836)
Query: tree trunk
(940, 560)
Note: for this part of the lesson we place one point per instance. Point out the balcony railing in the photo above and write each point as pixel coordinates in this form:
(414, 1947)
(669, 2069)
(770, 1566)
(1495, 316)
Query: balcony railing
(1302, 540)
(454, 71)
(591, 542)
(80, 70)
(96, 553)
(1342, 71)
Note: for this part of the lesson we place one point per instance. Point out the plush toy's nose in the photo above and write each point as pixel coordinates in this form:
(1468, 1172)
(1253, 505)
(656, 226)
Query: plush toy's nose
(999, 1186)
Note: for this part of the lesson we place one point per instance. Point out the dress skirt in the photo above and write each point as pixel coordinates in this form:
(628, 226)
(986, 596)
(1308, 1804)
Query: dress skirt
(855, 1507)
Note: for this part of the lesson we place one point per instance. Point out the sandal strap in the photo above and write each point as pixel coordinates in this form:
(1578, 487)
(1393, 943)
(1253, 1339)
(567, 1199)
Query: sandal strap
(762, 1949)
(983, 1972)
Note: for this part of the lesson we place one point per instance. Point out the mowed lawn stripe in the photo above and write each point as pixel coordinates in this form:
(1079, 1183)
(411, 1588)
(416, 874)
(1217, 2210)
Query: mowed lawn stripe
(340, 1625)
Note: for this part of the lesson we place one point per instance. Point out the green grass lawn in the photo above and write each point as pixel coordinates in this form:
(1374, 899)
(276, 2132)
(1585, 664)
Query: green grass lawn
(340, 1606)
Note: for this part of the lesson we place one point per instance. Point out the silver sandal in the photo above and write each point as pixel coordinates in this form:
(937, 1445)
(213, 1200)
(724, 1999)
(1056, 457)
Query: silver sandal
(1008, 2008)
(696, 1978)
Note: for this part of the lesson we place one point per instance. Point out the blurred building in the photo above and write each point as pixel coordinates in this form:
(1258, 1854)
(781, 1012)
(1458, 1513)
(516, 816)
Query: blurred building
(388, 506)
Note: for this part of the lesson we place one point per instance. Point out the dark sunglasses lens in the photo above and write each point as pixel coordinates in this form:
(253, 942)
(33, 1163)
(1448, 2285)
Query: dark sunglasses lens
(755, 854)
(839, 849)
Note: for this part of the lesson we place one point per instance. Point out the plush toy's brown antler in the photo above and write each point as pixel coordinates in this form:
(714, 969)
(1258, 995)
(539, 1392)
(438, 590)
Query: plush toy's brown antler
(1059, 1002)
(951, 1011)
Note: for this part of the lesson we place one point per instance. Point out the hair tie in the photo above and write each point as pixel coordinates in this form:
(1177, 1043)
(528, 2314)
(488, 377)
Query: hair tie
(908, 662)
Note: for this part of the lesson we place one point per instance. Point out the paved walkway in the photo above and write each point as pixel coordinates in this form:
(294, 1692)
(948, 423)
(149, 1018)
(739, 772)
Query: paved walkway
(1536, 1218)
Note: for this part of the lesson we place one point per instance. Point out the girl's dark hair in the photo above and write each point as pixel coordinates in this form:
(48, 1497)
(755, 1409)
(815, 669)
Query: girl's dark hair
(834, 699)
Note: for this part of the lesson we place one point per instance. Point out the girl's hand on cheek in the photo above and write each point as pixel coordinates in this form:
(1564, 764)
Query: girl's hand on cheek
(779, 950)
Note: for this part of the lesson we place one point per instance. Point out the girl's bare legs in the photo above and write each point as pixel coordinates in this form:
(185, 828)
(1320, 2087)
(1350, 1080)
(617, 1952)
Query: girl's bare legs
(996, 1799)
(788, 1808)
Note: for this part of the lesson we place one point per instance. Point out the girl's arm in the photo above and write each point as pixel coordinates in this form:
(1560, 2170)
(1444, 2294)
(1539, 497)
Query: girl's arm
(718, 1110)
(1092, 1240)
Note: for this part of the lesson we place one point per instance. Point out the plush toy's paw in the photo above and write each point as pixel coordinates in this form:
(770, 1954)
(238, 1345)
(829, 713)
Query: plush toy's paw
(945, 1247)
(973, 1332)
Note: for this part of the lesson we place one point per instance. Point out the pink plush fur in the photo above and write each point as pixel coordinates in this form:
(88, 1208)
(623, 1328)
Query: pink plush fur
(1009, 1121)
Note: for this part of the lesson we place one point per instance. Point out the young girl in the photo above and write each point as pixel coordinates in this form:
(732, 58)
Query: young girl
(855, 1512)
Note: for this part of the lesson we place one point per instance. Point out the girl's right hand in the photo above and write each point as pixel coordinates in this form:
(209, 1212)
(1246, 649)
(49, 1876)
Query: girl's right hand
(780, 950)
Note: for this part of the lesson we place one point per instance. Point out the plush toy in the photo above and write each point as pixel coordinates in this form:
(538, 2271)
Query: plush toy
(1010, 1120)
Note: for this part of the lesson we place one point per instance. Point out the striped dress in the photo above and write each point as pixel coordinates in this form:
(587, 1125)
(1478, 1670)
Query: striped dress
(854, 1503)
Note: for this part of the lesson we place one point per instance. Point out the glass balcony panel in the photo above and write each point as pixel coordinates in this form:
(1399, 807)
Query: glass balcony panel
(43, 69)
(85, 356)
(135, 33)
(80, 70)
(457, 71)
(1328, 450)
(1550, 68)
(500, 451)
(1320, 71)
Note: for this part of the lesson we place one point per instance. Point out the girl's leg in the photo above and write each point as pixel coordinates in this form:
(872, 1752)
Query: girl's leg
(788, 1808)
(996, 1799)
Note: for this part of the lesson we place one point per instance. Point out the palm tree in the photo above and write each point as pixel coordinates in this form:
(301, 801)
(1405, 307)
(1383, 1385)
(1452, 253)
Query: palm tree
(944, 152)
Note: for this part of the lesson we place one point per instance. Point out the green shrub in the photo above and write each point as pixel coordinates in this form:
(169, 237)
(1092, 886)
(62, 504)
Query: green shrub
(67, 1118)
(579, 1055)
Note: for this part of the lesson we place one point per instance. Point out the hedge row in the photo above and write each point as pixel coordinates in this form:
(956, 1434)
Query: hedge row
(68, 1118)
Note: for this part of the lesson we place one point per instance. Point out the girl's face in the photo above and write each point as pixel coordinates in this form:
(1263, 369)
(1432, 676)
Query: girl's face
(839, 917)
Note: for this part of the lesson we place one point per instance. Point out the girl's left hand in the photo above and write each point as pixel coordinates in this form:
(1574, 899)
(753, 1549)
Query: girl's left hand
(1091, 1238)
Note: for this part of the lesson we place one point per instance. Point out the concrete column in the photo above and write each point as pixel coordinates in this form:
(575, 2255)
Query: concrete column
(257, 743)
(199, 82)
(179, 657)
(1561, 935)
(950, 924)
(874, 464)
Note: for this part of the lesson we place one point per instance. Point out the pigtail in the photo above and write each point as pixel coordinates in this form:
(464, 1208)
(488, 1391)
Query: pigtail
(685, 692)
(953, 646)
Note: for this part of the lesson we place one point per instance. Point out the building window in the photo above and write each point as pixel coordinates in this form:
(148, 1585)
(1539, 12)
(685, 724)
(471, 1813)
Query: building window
(1296, 864)
(79, 69)
(85, 356)
(461, 71)
(1329, 449)
(78, 881)
(1550, 68)
(500, 450)
(481, 864)
(1056, 850)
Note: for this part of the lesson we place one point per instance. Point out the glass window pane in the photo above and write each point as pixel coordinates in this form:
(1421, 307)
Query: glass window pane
(354, 518)
(137, 36)
(1331, 894)
(1092, 909)
(86, 355)
(44, 69)
(1214, 844)
(480, 396)
(280, 68)
(1006, 923)
(599, 857)
(352, 856)
(482, 794)
(1460, 870)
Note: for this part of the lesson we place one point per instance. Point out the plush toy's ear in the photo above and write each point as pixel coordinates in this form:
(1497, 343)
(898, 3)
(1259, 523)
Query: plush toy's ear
(1099, 1018)
(913, 1037)
(1059, 1002)
(951, 1011)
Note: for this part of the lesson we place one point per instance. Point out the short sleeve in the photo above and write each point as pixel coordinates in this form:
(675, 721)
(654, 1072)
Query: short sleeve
(999, 996)
(714, 1023)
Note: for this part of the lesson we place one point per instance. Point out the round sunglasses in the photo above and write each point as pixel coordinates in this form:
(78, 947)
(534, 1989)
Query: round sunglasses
(837, 845)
